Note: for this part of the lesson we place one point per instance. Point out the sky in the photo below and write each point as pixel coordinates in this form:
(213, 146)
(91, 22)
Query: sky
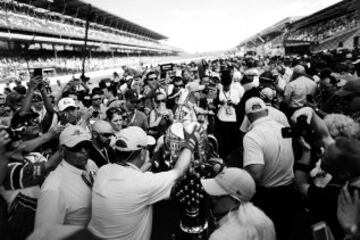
(208, 25)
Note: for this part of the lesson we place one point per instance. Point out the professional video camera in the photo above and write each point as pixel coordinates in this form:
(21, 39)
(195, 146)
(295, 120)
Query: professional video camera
(300, 129)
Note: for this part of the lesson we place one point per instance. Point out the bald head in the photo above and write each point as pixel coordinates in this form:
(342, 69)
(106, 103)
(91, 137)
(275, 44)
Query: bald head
(101, 126)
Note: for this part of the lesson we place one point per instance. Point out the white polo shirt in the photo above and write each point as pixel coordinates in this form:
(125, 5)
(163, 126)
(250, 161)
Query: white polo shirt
(65, 198)
(247, 222)
(122, 201)
(264, 145)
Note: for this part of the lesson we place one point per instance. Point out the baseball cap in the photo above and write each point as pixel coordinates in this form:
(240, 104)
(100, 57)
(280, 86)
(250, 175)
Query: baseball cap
(254, 105)
(350, 88)
(72, 135)
(132, 96)
(299, 69)
(251, 72)
(267, 93)
(233, 181)
(133, 138)
(64, 103)
(194, 87)
(129, 77)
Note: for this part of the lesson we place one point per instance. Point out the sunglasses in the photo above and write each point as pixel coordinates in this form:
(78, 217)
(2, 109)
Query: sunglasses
(178, 85)
(151, 79)
(106, 135)
(71, 109)
(160, 101)
(95, 99)
(78, 147)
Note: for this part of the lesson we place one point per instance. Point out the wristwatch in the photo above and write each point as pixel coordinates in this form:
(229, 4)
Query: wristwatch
(351, 232)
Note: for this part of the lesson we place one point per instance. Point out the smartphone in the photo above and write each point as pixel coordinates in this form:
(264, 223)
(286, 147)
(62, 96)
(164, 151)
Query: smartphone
(320, 231)
(38, 72)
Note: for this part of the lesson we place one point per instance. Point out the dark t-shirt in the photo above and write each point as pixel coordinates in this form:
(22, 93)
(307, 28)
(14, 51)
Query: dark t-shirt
(100, 158)
(139, 120)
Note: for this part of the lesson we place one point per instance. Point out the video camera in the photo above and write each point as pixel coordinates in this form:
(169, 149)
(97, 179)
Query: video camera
(300, 129)
(164, 68)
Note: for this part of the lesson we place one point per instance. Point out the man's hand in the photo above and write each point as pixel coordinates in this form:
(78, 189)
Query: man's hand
(348, 208)
(34, 82)
(56, 130)
(211, 113)
(191, 135)
(307, 111)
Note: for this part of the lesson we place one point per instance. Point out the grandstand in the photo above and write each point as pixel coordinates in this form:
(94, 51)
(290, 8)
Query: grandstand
(337, 26)
(34, 33)
(268, 41)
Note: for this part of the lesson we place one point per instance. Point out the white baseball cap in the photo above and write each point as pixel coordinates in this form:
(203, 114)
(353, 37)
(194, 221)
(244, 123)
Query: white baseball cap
(72, 135)
(235, 182)
(133, 138)
(64, 103)
(254, 105)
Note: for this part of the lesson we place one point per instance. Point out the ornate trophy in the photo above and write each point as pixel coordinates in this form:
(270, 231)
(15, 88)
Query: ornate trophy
(188, 192)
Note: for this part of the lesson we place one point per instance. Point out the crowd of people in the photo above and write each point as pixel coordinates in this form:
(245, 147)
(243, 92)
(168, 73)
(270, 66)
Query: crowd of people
(83, 163)
(12, 67)
(326, 29)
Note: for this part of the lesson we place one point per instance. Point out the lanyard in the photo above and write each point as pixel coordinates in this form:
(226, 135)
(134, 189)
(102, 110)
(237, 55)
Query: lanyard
(133, 118)
(104, 155)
